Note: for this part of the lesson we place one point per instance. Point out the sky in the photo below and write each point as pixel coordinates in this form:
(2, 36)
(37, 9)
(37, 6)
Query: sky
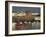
(32, 9)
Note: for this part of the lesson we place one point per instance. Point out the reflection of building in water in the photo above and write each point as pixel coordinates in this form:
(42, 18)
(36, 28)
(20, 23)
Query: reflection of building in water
(29, 20)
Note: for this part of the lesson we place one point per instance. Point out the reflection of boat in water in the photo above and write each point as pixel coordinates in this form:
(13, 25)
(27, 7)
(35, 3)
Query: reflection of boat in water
(23, 26)
(27, 25)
